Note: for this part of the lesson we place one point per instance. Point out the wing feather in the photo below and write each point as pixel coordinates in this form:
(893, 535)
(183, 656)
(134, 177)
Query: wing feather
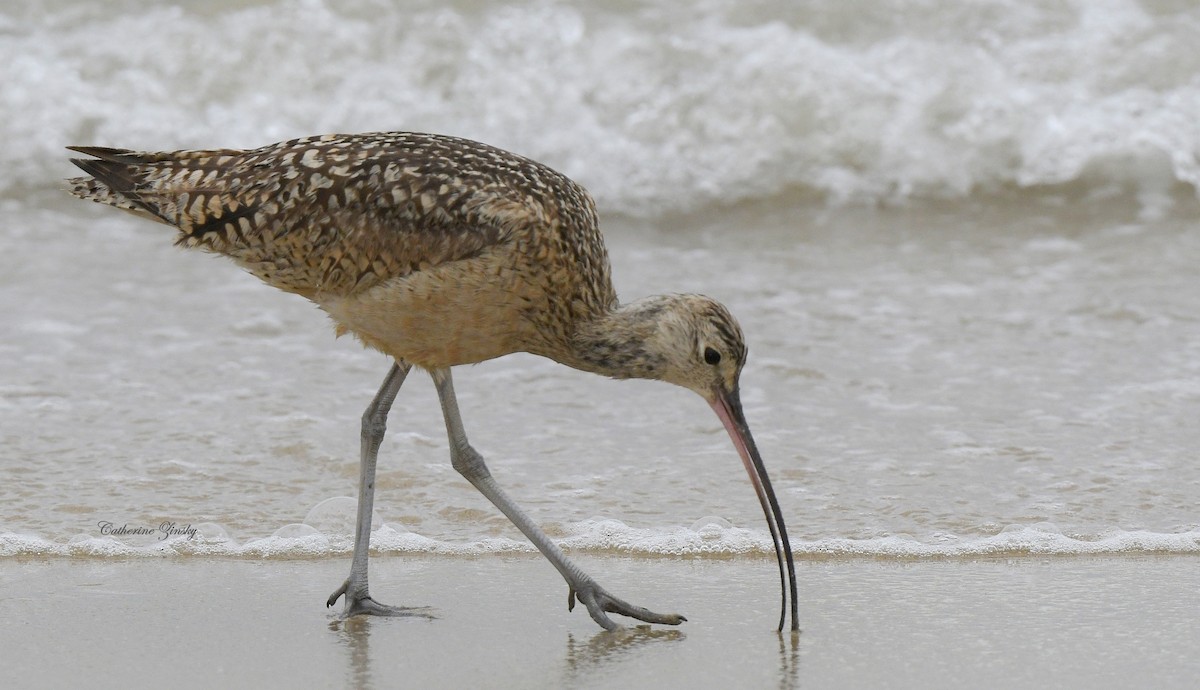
(338, 213)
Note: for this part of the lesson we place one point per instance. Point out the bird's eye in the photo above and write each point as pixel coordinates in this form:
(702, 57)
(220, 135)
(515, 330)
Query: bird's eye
(711, 356)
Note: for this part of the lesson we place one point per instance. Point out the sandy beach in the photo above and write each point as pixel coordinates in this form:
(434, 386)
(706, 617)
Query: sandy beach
(1062, 622)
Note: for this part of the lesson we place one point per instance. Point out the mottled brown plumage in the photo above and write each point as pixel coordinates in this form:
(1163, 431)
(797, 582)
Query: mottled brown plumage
(440, 251)
(421, 245)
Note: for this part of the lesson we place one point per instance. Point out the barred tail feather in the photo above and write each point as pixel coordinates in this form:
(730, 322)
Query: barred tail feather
(112, 180)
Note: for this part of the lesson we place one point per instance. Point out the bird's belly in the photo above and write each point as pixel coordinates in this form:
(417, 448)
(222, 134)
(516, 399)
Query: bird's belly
(437, 319)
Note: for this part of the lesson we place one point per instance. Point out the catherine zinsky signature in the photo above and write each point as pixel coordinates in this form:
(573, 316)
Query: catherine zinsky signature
(164, 530)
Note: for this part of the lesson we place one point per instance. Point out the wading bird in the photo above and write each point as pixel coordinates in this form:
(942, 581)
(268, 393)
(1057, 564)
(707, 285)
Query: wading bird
(439, 251)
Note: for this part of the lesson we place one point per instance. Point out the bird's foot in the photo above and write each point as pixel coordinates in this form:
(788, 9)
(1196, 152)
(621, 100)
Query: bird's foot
(360, 603)
(598, 602)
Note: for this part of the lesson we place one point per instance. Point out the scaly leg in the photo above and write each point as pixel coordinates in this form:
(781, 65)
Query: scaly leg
(469, 464)
(374, 424)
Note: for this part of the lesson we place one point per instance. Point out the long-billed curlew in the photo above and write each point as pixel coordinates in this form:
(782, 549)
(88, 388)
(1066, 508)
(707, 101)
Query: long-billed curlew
(440, 251)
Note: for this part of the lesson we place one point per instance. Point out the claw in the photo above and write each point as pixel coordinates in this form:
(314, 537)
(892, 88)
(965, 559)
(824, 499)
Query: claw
(336, 595)
(599, 601)
(364, 605)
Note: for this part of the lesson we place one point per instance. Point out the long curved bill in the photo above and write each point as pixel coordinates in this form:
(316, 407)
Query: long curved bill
(728, 406)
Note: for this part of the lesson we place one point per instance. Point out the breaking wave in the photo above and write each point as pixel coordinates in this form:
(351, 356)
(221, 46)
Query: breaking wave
(656, 107)
(709, 538)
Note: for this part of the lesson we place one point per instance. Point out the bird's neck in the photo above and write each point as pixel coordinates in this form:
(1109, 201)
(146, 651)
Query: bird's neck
(620, 342)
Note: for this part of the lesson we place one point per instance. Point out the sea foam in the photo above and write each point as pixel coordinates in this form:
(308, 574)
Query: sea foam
(613, 537)
(655, 107)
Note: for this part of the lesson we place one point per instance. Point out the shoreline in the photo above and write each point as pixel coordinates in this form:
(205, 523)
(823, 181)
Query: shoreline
(992, 623)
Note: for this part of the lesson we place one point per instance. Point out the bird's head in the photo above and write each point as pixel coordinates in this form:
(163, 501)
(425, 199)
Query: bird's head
(693, 341)
(697, 342)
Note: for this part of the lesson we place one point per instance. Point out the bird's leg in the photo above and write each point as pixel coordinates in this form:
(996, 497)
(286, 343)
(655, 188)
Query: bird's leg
(470, 465)
(374, 423)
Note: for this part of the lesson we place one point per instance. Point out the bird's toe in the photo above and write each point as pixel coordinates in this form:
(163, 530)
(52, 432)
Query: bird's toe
(600, 603)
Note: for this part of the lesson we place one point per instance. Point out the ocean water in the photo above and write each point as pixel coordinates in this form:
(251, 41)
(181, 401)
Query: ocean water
(960, 236)
(657, 106)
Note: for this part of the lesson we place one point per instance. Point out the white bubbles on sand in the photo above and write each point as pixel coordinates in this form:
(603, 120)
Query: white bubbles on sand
(295, 531)
(335, 516)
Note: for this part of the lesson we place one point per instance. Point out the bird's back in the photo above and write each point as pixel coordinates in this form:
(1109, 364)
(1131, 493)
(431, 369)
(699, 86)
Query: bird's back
(335, 217)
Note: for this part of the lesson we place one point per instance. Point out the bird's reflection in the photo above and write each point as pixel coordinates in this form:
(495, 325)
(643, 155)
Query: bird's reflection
(789, 660)
(583, 659)
(355, 634)
(609, 647)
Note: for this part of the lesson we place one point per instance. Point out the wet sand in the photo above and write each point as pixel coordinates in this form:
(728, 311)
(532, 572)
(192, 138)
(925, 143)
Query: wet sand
(1062, 622)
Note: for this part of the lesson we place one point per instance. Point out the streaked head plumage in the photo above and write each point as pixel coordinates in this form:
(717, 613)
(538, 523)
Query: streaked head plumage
(700, 342)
